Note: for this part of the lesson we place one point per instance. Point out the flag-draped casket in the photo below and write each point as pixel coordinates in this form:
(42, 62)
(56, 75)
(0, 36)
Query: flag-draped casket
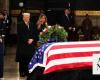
(64, 55)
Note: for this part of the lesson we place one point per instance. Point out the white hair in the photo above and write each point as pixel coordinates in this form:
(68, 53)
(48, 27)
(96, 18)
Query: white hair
(27, 14)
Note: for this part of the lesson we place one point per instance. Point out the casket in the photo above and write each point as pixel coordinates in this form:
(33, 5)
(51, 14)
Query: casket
(66, 57)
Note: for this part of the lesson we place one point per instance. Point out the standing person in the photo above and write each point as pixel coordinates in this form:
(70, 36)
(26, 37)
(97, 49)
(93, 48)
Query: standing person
(42, 23)
(27, 37)
(1, 46)
(67, 22)
(7, 19)
(7, 25)
(86, 28)
(67, 19)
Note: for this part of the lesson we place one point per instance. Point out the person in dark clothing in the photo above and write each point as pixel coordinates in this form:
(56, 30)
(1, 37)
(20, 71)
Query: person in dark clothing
(86, 28)
(7, 19)
(7, 25)
(27, 38)
(67, 22)
(42, 26)
(1, 46)
(66, 19)
(42, 23)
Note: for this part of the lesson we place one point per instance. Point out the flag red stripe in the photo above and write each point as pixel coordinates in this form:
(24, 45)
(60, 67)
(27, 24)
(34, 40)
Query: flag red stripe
(68, 66)
(68, 55)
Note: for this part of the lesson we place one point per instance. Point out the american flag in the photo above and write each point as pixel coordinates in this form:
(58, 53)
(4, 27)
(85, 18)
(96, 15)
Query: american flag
(37, 59)
(69, 55)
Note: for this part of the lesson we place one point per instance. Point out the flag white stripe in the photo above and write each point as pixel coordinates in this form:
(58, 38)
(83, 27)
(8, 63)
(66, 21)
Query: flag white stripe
(73, 50)
(80, 42)
(68, 61)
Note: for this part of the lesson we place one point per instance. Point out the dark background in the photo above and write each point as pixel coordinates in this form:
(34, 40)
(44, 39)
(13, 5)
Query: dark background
(54, 8)
(44, 4)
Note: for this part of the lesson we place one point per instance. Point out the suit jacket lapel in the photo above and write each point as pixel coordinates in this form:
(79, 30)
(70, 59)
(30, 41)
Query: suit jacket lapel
(27, 26)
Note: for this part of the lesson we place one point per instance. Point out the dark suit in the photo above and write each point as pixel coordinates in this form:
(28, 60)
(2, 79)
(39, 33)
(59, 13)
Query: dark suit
(25, 50)
(7, 27)
(7, 21)
(68, 24)
(66, 21)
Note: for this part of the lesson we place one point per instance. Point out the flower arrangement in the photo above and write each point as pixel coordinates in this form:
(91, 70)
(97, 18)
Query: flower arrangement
(55, 33)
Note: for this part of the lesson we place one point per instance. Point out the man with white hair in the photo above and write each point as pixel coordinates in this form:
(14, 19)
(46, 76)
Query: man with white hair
(27, 37)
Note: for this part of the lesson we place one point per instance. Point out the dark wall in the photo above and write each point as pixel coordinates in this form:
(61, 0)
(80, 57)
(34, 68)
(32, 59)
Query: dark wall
(54, 8)
(28, 4)
(87, 4)
(41, 4)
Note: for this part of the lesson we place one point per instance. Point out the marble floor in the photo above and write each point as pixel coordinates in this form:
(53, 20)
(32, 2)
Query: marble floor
(10, 65)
